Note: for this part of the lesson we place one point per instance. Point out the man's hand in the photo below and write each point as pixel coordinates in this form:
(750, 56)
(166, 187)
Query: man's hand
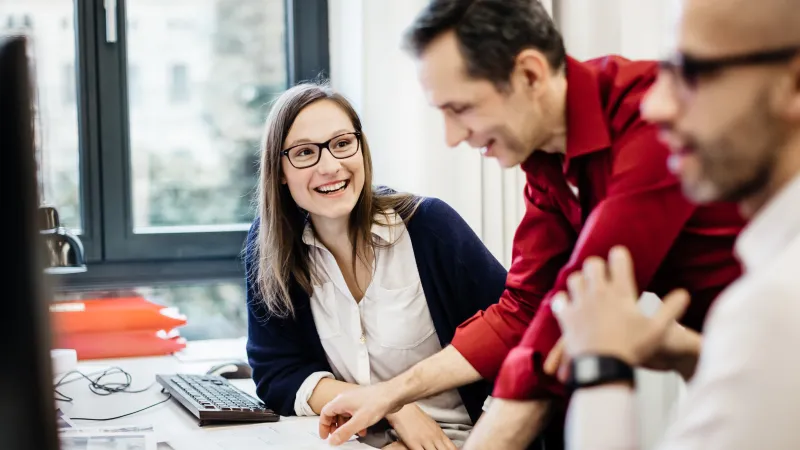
(679, 352)
(338, 421)
(509, 425)
(361, 407)
(364, 406)
(600, 315)
(418, 431)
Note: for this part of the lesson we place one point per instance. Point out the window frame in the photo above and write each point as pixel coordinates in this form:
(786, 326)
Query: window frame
(116, 256)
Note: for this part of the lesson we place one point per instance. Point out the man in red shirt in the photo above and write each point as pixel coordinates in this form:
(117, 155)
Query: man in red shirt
(597, 177)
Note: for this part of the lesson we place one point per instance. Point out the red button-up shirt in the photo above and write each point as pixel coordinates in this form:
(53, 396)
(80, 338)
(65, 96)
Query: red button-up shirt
(626, 196)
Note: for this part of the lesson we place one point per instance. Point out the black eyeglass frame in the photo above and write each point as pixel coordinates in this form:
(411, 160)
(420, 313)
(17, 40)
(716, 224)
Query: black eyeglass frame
(323, 146)
(690, 68)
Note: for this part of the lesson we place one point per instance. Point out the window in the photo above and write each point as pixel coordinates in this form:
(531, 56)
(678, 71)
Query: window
(179, 85)
(193, 157)
(213, 310)
(148, 142)
(56, 113)
(68, 85)
(134, 88)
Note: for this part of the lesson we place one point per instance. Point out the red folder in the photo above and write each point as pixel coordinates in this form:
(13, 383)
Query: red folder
(113, 314)
(116, 328)
(122, 344)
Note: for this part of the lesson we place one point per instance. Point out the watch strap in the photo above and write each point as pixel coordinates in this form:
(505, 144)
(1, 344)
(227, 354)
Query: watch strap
(595, 370)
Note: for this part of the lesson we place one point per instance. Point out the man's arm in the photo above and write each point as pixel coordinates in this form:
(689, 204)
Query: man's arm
(603, 418)
(441, 372)
(600, 317)
(680, 352)
(508, 425)
(645, 211)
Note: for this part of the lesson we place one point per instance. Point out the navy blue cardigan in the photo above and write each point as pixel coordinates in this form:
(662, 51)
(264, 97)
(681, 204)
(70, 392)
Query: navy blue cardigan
(459, 277)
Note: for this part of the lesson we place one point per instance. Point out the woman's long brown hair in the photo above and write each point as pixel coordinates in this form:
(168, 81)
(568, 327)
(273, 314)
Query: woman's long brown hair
(282, 255)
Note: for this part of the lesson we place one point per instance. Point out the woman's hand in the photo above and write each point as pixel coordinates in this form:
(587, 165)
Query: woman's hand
(418, 431)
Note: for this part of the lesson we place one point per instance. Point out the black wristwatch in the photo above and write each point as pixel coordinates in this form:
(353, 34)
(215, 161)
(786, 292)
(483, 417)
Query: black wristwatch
(595, 370)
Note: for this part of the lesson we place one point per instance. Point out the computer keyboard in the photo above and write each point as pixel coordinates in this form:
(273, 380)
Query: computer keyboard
(212, 399)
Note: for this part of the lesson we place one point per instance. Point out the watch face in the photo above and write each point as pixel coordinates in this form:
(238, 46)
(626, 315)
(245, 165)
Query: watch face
(587, 369)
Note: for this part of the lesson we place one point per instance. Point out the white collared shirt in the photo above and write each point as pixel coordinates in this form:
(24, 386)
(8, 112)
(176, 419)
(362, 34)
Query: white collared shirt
(385, 333)
(746, 391)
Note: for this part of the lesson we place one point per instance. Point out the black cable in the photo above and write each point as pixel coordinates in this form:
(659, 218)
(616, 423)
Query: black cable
(104, 389)
(61, 381)
(169, 396)
(61, 397)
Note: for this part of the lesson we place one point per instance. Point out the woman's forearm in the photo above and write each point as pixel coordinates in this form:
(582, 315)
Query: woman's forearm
(327, 389)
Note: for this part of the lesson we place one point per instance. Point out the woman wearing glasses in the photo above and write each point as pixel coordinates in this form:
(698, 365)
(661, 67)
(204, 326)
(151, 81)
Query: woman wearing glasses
(350, 285)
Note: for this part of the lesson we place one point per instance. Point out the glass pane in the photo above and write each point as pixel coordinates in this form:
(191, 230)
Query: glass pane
(201, 74)
(213, 311)
(51, 27)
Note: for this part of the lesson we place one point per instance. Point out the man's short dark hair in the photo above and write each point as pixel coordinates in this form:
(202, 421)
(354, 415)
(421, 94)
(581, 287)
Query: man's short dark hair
(490, 34)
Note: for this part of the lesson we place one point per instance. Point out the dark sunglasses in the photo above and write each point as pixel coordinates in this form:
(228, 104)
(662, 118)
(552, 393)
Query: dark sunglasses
(690, 69)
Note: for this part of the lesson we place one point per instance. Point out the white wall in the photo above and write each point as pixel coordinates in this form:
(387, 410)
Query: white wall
(406, 135)
(636, 29)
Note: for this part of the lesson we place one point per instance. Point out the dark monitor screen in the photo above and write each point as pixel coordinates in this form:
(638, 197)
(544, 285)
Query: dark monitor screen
(27, 409)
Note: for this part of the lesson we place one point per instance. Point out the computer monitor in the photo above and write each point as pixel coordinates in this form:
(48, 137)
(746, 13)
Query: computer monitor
(27, 408)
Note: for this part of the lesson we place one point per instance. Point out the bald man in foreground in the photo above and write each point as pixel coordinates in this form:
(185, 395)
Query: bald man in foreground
(729, 107)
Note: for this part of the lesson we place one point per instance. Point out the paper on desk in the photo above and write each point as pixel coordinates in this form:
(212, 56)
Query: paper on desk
(214, 350)
(62, 420)
(108, 438)
(287, 434)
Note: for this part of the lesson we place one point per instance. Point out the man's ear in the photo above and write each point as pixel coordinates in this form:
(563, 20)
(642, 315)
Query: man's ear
(530, 70)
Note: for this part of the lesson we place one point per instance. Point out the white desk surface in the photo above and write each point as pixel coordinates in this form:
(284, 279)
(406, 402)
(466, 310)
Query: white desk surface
(174, 425)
